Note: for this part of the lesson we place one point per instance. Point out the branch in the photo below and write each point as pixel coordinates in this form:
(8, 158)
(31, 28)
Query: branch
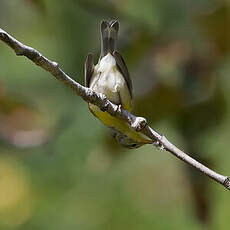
(137, 123)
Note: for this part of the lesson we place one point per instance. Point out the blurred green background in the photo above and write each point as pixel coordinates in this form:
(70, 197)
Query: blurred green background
(59, 166)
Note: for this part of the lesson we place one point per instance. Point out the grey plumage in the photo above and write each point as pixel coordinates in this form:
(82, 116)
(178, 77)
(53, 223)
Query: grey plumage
(123, 69)
(113, 33)
(104, 38)
(89, 69)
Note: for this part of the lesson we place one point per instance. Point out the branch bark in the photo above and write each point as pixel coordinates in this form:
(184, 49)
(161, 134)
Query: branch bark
(137, 123)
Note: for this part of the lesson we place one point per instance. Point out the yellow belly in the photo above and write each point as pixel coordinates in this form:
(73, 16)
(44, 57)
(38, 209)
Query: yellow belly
(118, 124)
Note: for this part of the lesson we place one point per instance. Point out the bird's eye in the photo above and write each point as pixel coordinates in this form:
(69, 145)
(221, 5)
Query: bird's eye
(133, 145)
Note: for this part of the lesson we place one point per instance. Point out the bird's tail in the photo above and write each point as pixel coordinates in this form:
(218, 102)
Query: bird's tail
(113, 32)
(109, 32)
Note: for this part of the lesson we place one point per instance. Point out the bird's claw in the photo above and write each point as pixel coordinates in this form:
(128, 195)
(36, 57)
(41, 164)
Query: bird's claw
(119, 108)
(139, 123)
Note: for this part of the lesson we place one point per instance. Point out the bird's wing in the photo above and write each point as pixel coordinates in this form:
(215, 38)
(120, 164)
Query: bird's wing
(124, 70)
(89, 69)
(125, 97)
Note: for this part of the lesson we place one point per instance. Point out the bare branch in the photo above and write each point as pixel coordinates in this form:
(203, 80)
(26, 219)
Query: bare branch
(137, 123)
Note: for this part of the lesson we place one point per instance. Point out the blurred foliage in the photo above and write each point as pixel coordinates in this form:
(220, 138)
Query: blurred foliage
(60, 168)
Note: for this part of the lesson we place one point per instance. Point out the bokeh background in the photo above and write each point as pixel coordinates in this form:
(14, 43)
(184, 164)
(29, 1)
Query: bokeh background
(59, 166)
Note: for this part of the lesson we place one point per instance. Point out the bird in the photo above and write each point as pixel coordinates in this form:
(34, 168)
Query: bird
(110, 76)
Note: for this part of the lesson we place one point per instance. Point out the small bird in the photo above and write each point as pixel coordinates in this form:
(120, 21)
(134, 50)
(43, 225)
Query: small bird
(111, 77)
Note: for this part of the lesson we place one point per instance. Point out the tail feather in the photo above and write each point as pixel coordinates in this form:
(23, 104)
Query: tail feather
(114, 27)
(104, 38)
(109, 32)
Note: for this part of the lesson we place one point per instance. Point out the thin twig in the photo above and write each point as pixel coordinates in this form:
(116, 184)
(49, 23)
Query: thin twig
(137, 123)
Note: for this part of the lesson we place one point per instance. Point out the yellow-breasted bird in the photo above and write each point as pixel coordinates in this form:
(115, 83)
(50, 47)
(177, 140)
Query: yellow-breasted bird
(111, 77)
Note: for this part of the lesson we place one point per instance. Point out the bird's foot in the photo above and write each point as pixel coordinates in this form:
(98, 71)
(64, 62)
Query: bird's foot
(139, 123)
